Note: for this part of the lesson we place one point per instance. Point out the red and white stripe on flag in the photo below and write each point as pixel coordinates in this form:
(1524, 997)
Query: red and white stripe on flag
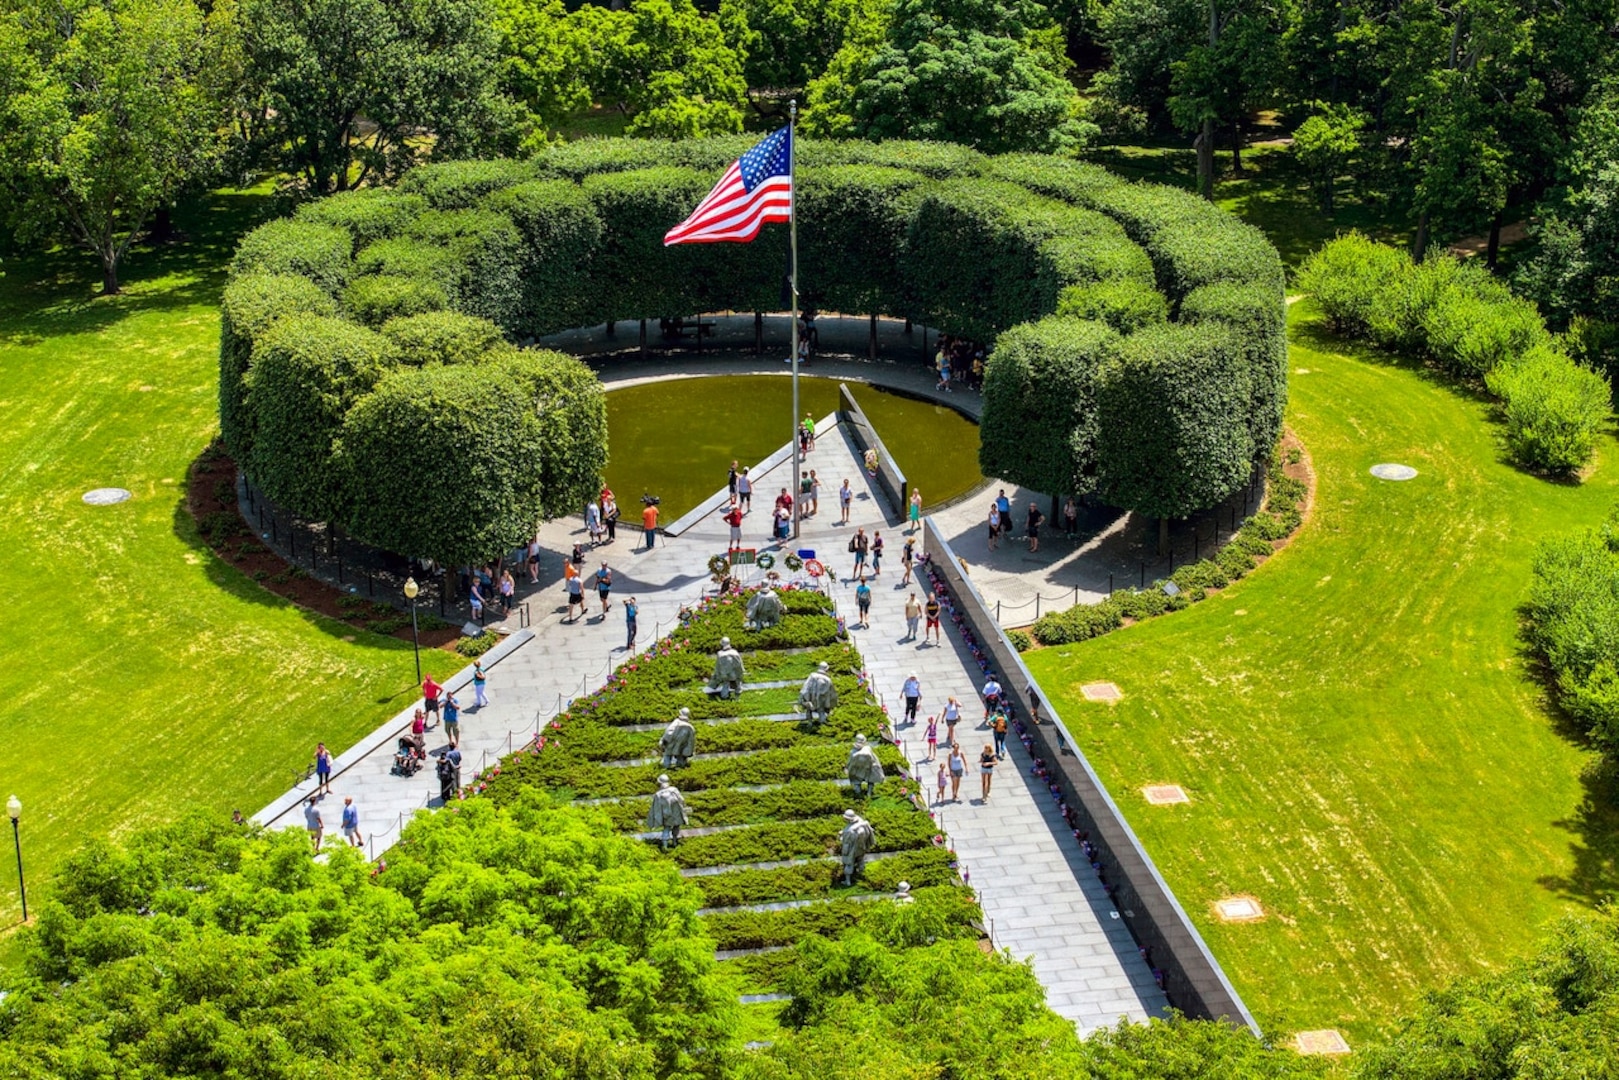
(757, 188)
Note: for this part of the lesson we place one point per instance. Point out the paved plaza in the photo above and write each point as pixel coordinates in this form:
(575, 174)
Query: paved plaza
(1039, 894)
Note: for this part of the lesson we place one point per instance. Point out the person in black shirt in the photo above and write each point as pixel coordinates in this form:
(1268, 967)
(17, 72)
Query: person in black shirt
(1035, 518)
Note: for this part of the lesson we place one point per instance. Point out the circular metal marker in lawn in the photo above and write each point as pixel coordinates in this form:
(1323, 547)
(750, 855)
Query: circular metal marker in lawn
(1390, 471)
(107, 496)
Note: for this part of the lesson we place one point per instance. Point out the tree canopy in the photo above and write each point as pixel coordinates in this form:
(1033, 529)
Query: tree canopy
(108, 112)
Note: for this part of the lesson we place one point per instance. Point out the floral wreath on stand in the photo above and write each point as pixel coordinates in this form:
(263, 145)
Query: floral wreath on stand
(793, 562)
(765, 561)
(719, 566)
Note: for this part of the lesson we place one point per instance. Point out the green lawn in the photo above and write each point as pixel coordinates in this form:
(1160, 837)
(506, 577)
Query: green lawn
(1363, 740)
(143, 675)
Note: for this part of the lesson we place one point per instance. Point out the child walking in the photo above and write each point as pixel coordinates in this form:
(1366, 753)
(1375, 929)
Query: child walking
(933, 737)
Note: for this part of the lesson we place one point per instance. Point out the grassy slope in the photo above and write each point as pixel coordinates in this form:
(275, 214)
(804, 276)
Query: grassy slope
(142, 675)
(1364, 747)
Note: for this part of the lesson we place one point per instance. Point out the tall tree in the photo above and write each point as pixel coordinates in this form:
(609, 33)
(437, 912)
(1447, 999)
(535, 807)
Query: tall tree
(106, 114)
(1225, 78)
(988, 73)
(358, 90)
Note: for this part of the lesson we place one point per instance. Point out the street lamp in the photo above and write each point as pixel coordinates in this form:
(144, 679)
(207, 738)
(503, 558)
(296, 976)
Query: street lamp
(14, 808)
(411, 589)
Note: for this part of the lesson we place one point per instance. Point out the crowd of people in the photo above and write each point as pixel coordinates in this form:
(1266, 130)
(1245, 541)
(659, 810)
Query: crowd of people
(959, 362)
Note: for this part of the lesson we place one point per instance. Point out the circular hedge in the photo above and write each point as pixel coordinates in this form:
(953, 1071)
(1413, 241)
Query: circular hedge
(367, 375)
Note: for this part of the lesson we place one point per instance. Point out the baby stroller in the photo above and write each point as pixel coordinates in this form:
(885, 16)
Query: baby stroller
(408, 758)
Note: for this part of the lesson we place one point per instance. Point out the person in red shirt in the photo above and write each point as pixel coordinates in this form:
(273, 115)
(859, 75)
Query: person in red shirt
(734, 520)
(430, 693)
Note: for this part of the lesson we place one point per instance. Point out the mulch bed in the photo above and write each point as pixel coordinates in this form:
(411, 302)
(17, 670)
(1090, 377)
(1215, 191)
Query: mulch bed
(211, 501)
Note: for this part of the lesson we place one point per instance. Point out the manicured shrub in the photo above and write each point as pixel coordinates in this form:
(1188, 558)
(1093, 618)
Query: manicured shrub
(459, 185)
(1125, 305)
(1058, 178)
(489, 258)
(251, 303)
(321, 253)
(1172, 410)
(1201, 576)
(444, 462)
(443, 337)
(366, 214)
(937, 160)
(1553, 408)
(1039, 422)
(1347, 278)
(1020, 639)
(1259, 315)
(569, 411)
(1079, 623)
(852, 227)
(634, 276)
(404, 257)
(561, 235)
(1235, 561)
(1143, 604)
(306, 375)
(376, 298)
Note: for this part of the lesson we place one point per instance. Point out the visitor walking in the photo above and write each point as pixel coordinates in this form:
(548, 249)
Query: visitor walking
(808, 427)
(952, 717)
(845, 498)
(452, 718)
(986, 768)
(649, 522)
(1035, 519)
(998, 727)
(508, 592)
(992, 697)
(534, 561)
(323, 770)
(859, 545)
(1070, 518)
(610, 514)
(931, 734)
(784, 523)
(593, 521)
(907, 559)
(730, 481)
(876, 553)
(958, 768)
(913, 617)
(912, 693)
(814, 494)
(994, 524)
(932, 610)
(576, 597)
(479, 685)
(744, 491)
(604, 586)
(916, 510)
(733, 518)
(1004, 505)
(475, 598)
(314, 823)
(631, 610)
(862, 599)
(943, 783)
(351, 821)
(942, 364)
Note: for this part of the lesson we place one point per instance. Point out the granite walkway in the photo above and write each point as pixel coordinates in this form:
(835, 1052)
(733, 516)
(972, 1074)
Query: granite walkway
(1041, 898)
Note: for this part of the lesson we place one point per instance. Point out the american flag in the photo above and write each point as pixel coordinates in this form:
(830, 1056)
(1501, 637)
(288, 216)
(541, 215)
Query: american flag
(758, 187)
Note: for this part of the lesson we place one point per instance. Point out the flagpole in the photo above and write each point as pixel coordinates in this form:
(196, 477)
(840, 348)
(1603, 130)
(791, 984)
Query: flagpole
(792, 232)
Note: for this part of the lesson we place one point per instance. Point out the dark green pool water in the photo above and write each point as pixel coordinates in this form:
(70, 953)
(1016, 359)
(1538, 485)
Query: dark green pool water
(677, 438)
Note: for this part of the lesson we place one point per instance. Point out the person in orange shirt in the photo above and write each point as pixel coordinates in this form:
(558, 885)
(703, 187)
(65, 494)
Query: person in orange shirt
(649, 522)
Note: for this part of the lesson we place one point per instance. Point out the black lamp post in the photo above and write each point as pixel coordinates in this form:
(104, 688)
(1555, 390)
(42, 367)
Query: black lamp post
(411, 589)
(14, 808)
